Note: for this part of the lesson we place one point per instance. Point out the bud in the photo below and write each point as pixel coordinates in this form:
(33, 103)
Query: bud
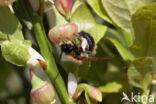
(64, 7)
(63, 33)
(35, 60)
(6, 2)
(42, 92)
(94, 93)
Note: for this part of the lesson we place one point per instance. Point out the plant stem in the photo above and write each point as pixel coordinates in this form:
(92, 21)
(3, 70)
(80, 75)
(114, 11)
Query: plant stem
(51, 69)
(42, 40)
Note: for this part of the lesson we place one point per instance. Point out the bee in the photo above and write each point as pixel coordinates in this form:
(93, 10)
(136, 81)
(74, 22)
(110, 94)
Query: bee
(76, 45)
(79, 53)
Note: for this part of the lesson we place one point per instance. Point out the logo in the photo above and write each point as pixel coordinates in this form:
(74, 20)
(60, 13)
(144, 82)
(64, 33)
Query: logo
(138, 98)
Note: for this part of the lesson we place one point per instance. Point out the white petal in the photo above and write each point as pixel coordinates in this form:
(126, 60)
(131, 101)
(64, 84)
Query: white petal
(34, 54)
(72, 84)
(33, 61)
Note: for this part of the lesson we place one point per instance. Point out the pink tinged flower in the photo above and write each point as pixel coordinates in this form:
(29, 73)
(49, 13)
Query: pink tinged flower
(95, 94)
(63, 33)
(43, 95)
(42, 92)
(64, 7)
(36, 59)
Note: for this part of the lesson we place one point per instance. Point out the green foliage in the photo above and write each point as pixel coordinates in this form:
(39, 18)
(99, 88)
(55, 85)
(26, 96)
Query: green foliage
(59, 18)
(119, 44)
(120, 11)
(98, 8)
(144, 25)
(87, 24)
(9, 25)
(79, 70)
(140, 72)
(111, 87)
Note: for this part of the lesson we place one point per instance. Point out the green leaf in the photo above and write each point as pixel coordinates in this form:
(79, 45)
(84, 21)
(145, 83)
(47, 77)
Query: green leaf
(97, 69)
(144, 25)
(120, 11)
(111, 87)
(9, 25)
(87, 24)
(9, 22)
(70, 67)
(128, 38)
(76, 5)
(100, 32)
(119, 44)
(15, 52)
(140, 72)
(59, 18)
(135, 4)
(98, 8)
(79, 70)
